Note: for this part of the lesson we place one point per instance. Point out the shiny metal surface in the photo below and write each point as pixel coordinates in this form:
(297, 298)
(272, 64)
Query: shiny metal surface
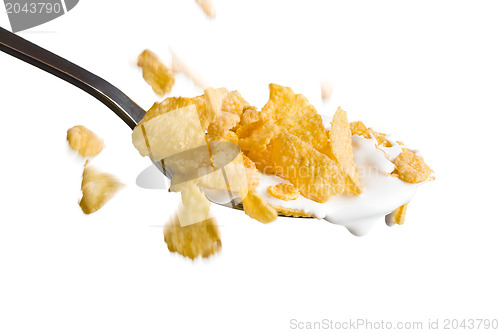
(112, 97)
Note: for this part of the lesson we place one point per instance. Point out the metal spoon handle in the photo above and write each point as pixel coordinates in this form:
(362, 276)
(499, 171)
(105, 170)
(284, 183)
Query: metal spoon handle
(112, 97)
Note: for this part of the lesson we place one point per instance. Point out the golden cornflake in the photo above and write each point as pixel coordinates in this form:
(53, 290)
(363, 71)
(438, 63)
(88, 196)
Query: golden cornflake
(341, 145)
(155, 73)
(224, 122)
(411, 168)
(263, 159)
(257, 208)
(283, 191)
(208, 107)
(208, 7)
(250, 115)
(84, 141)
(293, 113)
(174, 103)
(226, 136)
(191, 241)
(381, 138)
(234, 103)
(358, 128)
(245, 130)
(97, 189)
(170, 133)
(398, 216)
(291, 212)
(257, 140)
(315, 175)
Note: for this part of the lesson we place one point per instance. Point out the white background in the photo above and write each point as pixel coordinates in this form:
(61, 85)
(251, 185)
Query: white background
(427, 72)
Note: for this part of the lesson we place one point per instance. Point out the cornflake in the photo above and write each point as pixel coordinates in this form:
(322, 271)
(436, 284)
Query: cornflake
(226, 136)
(263, 159)
(222, 124)
(250, 115)
(191, 241)
(97, 189)
(341, 145)
(262, 133)
(169, 133)
(234, 103)
(174, 103)
(192, 231)
(315, 175)
(358, 128)
(411, 168)
(155, 73)
(246, 130)
(283, 191)
(208, 7)
(398, 216)
(84, 141)
(257, 208)
(293, 113)
(291, 212)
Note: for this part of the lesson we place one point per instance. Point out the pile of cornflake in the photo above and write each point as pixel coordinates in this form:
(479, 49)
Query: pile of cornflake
(219, 143)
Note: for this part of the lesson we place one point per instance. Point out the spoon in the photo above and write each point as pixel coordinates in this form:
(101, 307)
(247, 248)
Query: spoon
(109, 95)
